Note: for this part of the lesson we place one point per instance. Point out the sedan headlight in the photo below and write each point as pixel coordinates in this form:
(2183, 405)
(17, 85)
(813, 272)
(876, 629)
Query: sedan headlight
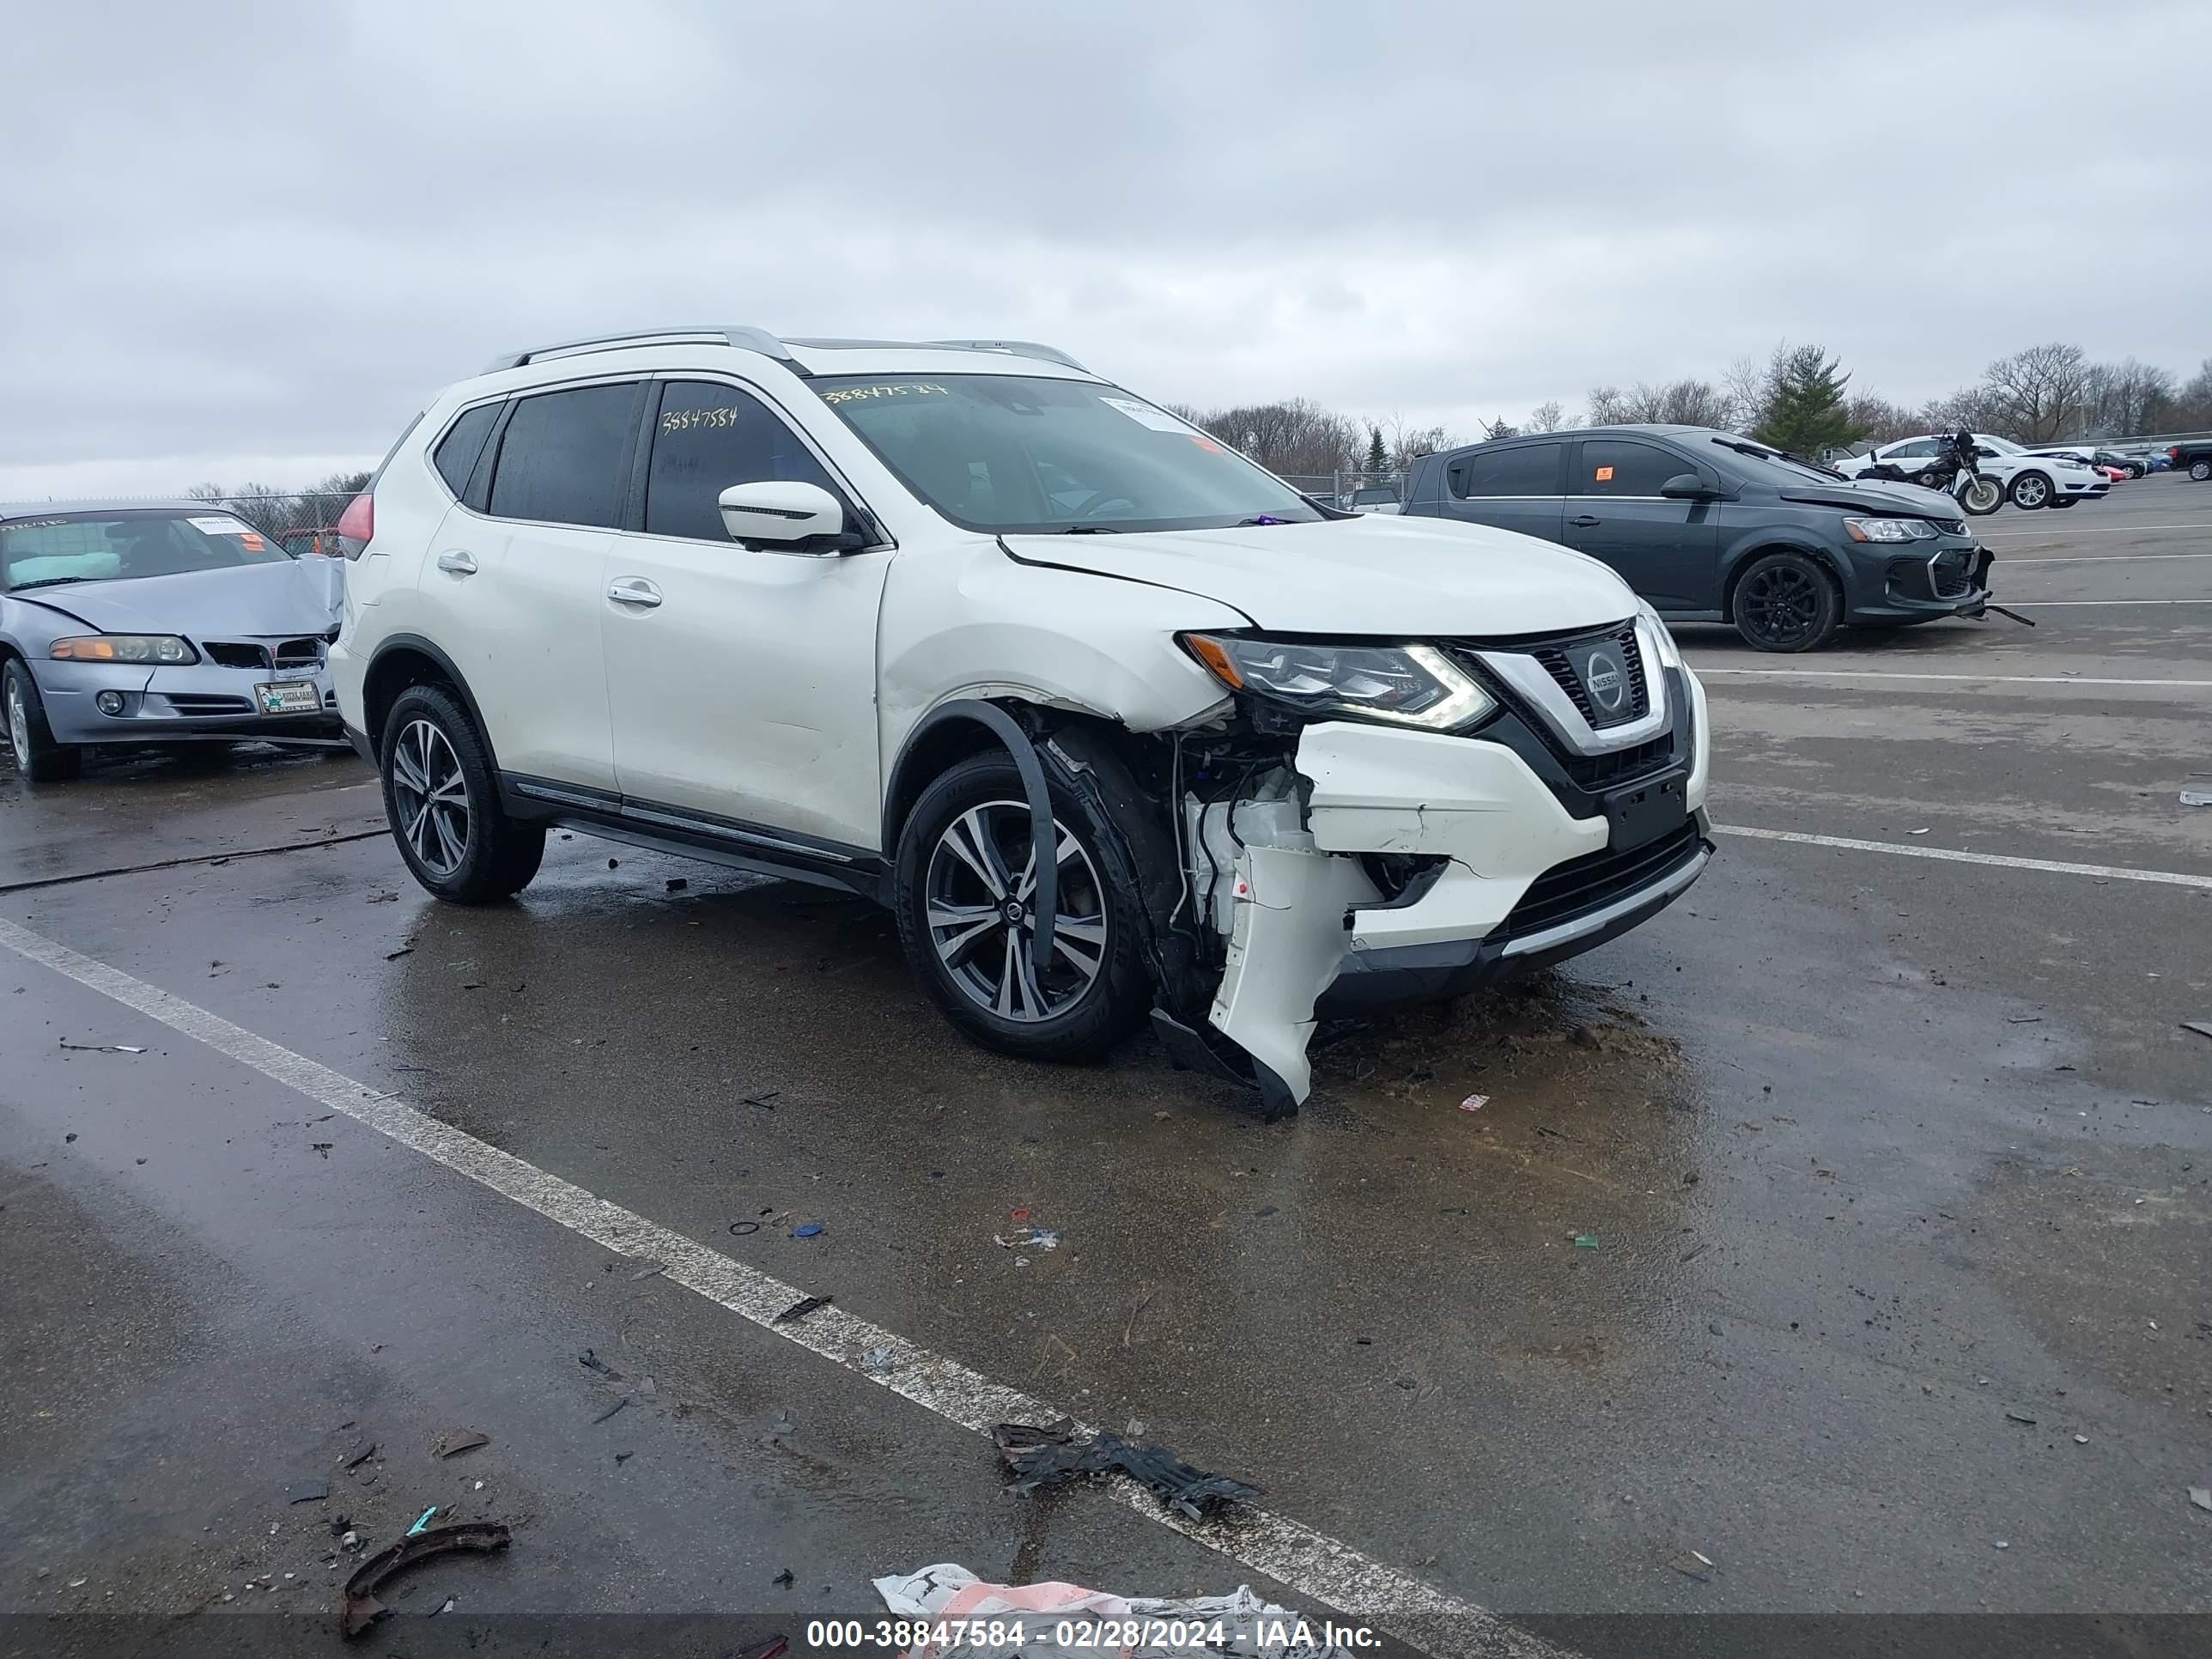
(1412, 685)
(1889, 530)
(155, 650)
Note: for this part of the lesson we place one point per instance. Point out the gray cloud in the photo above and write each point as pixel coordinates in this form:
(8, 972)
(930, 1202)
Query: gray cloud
(254, 237)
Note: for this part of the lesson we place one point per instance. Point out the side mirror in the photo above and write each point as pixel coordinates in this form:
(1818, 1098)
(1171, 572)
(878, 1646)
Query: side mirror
(786, 517)
(1986, 453)
(1688, 487)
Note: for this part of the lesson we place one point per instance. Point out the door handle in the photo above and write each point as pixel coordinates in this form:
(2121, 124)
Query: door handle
(457, 562)
(1583, 521)
(634, 590)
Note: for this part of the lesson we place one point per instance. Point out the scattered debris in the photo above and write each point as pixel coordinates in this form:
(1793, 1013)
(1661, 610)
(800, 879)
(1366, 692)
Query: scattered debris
(2002, 1545)
(2202, 1027)
(1916, 832)
(653, 1272)
(321, 1147)
(810, 1230)
(1474, 1103)
(741, 1228)
(1019, 1216)
(454, 1441)
(358, 1607)
(1064, 1618)
(104, 1047)
(2023, 1019)
(622, 1458)
(2201, 1497)
(648, 1389)
(1046, 1457)
(678, 883)
(2195, 797)
(799, 1310)
(307, 1492)
(2019, 1417)
(422, 1522)
(1691, 1564)
(1586, 1241)
(619, 1405)
(590, 1362)
(763, 1098)
(404, 951)
(880, 1361)
(784, 1579)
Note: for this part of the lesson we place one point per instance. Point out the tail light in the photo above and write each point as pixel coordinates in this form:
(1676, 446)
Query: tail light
(357, 525)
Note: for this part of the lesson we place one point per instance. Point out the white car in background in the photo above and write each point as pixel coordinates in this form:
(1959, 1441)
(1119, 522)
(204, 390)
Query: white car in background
(2030, 480)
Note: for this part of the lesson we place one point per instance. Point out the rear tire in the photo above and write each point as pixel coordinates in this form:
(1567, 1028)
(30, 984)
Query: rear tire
(39, 758)
(441, 798)
(1787, 601)
(956, 889)
(2030, 491)
(2200, 470)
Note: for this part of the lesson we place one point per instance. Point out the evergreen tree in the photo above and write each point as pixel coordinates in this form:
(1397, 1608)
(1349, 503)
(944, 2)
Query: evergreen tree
(1378, 459)
(1806, 409)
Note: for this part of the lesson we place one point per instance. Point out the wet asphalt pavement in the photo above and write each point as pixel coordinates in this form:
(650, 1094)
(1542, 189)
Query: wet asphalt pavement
(1783, 1215)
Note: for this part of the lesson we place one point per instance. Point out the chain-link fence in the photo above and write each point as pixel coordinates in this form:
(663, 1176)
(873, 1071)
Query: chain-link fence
(304, 523)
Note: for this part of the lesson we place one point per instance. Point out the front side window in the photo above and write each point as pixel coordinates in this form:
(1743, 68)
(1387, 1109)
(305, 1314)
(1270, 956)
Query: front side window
(560, 459)
(1613, 466)
(1523, 470)
(707, 437)
(123, 542)
(1028, 454)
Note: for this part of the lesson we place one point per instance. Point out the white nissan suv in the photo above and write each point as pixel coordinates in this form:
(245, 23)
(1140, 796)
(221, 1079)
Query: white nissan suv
(1119, 724)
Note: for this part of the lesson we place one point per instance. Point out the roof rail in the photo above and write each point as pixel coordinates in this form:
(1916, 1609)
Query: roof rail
(1015, 347)
(745, 337)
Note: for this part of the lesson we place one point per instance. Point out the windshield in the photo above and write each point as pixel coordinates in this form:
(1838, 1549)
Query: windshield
(2002, 446)
(116, 543)
(1772, 466)
(1010, 452)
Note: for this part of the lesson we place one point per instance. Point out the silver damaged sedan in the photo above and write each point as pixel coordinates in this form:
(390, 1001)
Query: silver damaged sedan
(162, 623)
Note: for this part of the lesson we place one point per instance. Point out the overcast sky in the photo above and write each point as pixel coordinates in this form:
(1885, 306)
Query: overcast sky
(248, 241)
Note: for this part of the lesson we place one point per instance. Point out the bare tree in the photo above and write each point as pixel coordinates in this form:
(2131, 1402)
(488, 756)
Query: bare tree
(1748, 385)
(2129, 397)
(2040, 394)
(1407, 444)
(1546, 418)
(1607, 407)
(1879, 420)
(1296, 436)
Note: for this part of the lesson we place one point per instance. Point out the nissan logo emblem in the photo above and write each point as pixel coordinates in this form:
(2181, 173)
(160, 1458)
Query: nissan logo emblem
(1608, 685)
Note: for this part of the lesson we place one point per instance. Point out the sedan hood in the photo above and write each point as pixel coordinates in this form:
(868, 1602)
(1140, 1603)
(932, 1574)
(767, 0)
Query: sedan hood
(298, 597)
(1376, 574)
(1879, 496)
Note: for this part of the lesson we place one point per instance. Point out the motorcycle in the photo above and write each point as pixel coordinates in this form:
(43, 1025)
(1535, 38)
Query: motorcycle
(1953, 470)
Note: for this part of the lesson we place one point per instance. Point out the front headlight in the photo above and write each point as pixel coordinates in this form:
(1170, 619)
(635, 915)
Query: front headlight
(1670, 654)
(153, 650)
(1400, 684)
(1889, 530)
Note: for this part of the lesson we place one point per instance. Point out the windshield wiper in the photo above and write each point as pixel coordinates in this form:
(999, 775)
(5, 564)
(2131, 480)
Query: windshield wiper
(46, 581)
(1091, 530)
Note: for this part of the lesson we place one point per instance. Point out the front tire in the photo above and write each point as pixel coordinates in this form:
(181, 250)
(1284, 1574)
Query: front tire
(1787, 601)
(2200, 470)
(1982, 498)
(441, 798)
(964, 873)
(39, 758)
(2030, 491)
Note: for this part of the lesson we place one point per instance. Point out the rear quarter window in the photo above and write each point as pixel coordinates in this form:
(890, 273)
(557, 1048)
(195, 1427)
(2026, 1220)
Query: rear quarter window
(459, 451)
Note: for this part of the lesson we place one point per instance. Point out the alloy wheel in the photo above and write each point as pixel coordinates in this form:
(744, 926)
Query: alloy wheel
(432, 796)
(2030, 491)
(1781, 604)
(981, 918)
(19, 726)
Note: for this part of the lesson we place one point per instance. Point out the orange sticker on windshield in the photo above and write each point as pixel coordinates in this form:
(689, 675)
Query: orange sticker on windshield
(252, 541)
(1605, 475)
(1207, 445)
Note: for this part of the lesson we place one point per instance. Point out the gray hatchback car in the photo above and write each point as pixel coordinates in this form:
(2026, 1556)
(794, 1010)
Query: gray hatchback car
(157, 622)
(1712, 528)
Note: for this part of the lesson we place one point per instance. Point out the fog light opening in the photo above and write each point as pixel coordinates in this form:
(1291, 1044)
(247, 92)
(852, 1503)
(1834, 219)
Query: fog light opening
(109, 702)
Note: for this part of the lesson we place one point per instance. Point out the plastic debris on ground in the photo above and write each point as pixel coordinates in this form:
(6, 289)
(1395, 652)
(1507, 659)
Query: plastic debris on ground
(2202, 1027)
(810, 1230)
(590, 1362)
(454, 1441)
(1474, 1103)
(104, 1047)
(1692, 1564)
(1046, 1457)
(422, 1522)
(2195, 797)
(358, 1607)
(1250, 1627)
(1586, 1241)
(880, 1361)
(799, 1310)
(2201, 1497)
(307, 1492)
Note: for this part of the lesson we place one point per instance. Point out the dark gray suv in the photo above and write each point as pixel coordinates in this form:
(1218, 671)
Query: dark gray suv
(1711, 527)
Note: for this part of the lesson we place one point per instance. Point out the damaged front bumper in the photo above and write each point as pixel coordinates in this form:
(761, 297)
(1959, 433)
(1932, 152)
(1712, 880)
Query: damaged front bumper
(1408, 865)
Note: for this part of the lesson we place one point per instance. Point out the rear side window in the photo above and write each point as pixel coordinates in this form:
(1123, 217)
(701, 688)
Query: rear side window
(457, 455)
(707, 437)
(1920, 449)
(560, 459)
(1523, 470)
(1611, 466)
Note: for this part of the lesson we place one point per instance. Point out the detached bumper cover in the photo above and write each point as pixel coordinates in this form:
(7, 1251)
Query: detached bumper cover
(1521, 879)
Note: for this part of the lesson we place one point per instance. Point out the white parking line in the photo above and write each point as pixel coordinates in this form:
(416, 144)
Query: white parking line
(1314, 1565)
(1887, 674)
(2104, 558)
(2052, 866)
(2093, 530)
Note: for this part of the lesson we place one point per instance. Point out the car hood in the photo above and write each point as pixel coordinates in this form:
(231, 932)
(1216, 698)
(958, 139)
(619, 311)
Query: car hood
(298, 597)
(1378, 574)
(1879, 495)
